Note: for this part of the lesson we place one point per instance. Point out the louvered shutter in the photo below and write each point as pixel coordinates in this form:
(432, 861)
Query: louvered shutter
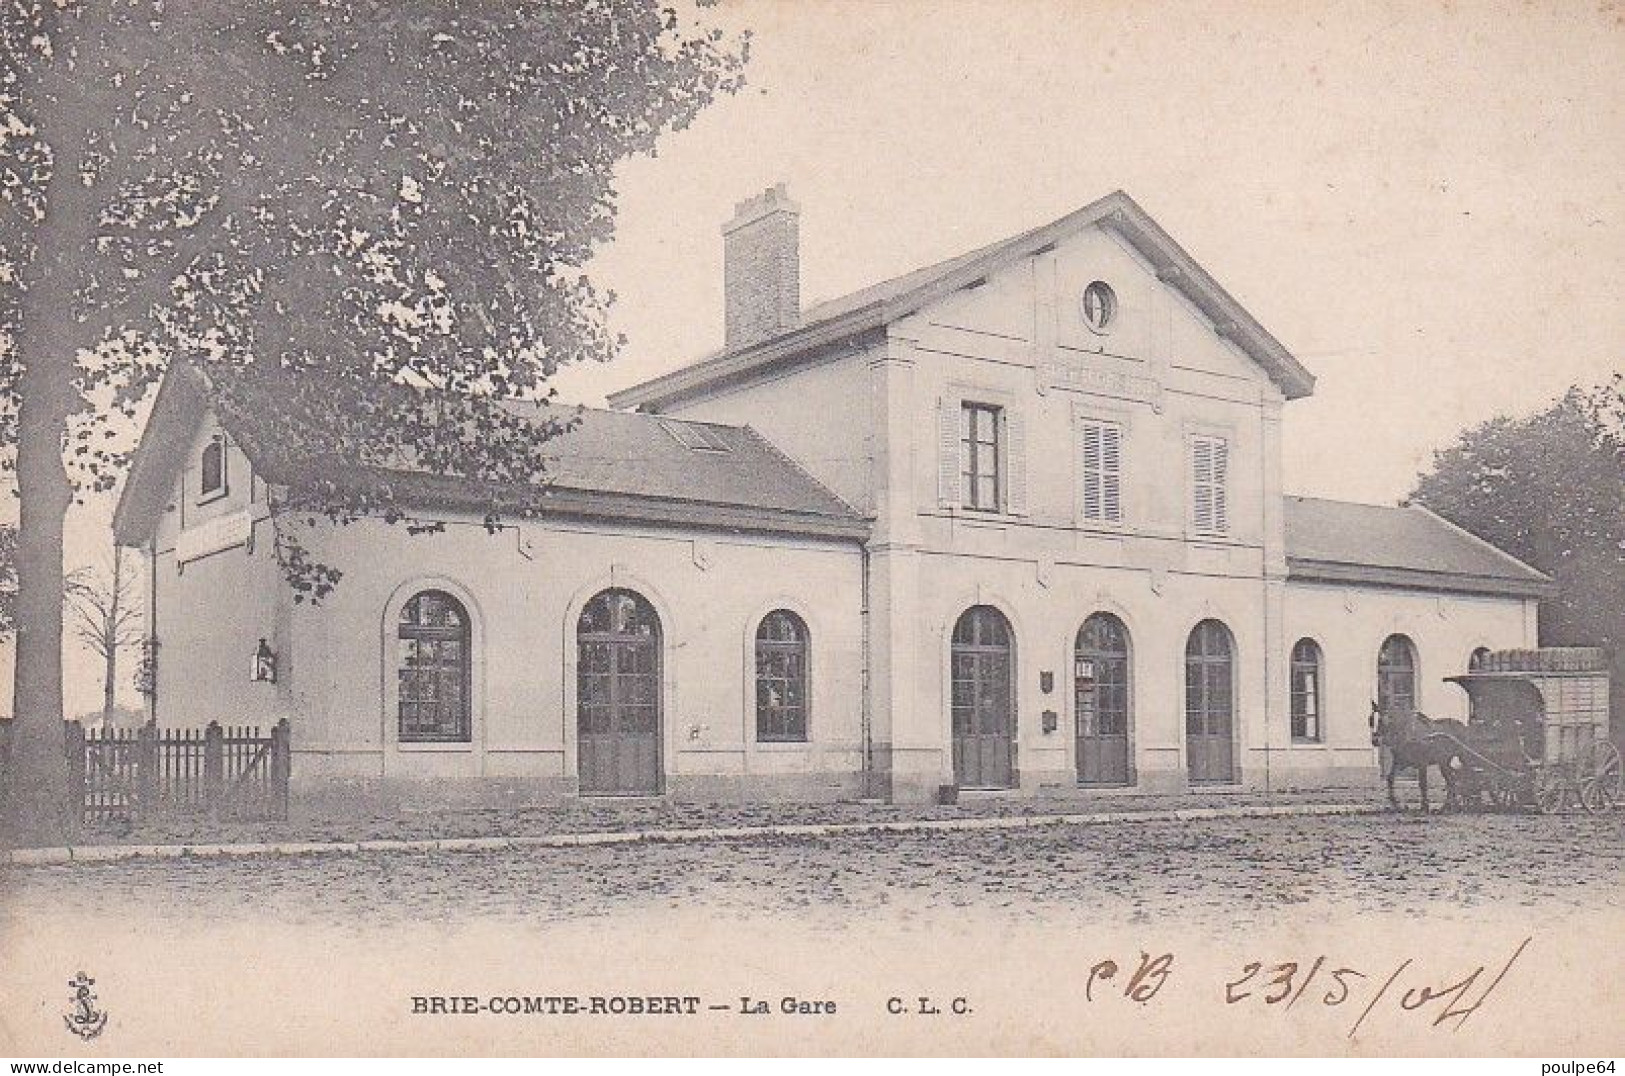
(1100, 453)
(1091, 451)
(1015, 463)
(948, 449)
(1111, 460)
(1210, 467)
(1202, 483)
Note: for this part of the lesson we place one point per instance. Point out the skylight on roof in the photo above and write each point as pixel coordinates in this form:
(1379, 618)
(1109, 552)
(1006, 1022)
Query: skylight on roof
(697, 438)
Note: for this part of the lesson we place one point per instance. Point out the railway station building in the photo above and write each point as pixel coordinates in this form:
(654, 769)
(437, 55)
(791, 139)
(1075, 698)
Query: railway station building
(1009, 524)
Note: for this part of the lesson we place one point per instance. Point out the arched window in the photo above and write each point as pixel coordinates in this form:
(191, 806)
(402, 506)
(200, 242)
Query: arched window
(1396, 675)
(1306, 692)
(212, 466)
(1210, 686)
(1475, 662)
(1100, 689)
(781, 678)
(433, 670)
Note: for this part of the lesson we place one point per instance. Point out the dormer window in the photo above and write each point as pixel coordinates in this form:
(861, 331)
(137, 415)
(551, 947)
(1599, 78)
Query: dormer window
(696, 437)
(212, 469)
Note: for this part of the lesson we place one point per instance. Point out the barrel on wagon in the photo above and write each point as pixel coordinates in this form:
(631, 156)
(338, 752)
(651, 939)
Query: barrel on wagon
(1539, 730)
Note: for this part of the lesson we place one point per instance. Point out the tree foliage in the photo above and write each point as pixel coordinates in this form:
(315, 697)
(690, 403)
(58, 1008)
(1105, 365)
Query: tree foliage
(359, 209)
(1550, 490)
(324, 203)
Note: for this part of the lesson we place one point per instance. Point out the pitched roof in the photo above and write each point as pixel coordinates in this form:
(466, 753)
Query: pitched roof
(873, 307)
(611, 465)
(639, 455)
(1342, 542)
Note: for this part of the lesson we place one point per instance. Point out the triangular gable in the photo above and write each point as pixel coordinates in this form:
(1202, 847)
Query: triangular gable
(180, 407)
(876, 306)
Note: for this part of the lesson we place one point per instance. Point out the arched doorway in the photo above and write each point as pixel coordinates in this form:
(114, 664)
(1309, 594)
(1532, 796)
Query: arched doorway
(618, 718)
(983, 699)
(1210, 703)
(1100, 670)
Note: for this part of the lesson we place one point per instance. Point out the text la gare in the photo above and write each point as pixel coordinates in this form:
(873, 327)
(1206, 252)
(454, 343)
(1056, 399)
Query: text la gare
(787, 1006)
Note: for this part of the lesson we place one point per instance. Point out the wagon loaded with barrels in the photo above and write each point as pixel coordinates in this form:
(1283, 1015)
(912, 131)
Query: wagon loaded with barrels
(1537, 732)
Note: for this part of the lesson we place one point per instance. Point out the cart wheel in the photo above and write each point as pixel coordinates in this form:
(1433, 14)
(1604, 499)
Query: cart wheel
(1607, 774)
(1593, 798)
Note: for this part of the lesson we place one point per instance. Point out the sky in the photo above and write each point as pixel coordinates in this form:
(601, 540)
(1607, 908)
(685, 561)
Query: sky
(1425, 202)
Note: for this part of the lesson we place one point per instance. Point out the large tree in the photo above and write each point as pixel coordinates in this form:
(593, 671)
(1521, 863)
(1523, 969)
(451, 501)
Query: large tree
(360, 209)
(1550, 490)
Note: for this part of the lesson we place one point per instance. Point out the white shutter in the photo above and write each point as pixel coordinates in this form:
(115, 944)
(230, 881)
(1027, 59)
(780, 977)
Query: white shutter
(1100, 459)
(1202, 483)
(1091, 452)
(1111, 462)
(1209, 469)
(1014, 463)
(948, 449)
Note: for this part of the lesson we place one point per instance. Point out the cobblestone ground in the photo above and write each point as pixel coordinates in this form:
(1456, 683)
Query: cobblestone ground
(1224, 873)
(337, 822)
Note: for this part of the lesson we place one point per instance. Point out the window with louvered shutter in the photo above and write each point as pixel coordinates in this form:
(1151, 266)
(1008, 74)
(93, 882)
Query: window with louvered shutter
(1100, 446)
(1210, 467)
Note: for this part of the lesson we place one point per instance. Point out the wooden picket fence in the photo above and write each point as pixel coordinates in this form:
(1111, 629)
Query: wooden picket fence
(229, 772)
(5, 758)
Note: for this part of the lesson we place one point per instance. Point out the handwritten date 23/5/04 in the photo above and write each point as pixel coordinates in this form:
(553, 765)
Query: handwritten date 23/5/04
(1444, 998)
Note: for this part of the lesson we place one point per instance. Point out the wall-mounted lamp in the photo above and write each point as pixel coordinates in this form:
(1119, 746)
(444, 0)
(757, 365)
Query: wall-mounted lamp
(1046, 681)
(264, 666)
(1051, 721)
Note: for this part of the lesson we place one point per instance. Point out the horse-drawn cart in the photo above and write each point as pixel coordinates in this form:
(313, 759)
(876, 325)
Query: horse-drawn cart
(1538, 731)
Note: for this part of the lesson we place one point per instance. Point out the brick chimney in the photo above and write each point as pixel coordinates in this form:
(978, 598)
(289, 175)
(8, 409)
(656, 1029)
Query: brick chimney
(761, 268)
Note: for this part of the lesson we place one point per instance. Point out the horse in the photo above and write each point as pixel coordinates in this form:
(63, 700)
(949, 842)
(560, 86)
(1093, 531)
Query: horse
(1415, 740)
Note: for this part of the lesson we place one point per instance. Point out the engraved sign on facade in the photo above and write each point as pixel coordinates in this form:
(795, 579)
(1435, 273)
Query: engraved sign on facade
(214, 535)
(1061, 373)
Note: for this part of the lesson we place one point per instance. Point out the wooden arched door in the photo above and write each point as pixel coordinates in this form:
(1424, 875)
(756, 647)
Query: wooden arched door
(983, 699)
(1210, 704)
(1100, 693)
(618, 719)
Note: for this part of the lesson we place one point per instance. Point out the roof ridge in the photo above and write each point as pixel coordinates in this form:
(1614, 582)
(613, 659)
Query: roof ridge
(1476, 540)
(1339, 500)
(642, 416)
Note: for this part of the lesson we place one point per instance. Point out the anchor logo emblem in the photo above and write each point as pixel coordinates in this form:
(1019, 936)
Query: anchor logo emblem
(85, 1020)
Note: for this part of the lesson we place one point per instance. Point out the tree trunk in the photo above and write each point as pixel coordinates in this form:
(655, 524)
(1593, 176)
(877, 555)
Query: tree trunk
(38, 782)
(37, 810)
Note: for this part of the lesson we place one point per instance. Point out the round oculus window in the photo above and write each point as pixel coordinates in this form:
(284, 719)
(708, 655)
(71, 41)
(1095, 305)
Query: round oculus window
(1099, 306)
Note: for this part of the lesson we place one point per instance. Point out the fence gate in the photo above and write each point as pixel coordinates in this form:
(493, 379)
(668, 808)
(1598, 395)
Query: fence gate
(225, 772)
